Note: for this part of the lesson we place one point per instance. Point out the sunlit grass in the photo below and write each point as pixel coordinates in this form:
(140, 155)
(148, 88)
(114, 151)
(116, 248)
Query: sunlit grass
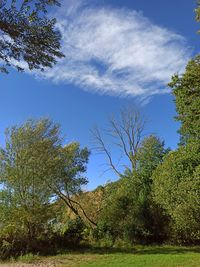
(136, 257)
(151, 256)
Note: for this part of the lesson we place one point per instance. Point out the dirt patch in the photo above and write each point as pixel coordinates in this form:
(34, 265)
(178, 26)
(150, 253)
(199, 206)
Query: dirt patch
(35, 264)
(67, 260)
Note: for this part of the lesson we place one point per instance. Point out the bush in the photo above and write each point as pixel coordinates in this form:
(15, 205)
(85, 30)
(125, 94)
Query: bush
(177, 190)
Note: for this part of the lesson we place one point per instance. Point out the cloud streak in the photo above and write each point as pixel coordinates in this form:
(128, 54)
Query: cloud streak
(117, 52)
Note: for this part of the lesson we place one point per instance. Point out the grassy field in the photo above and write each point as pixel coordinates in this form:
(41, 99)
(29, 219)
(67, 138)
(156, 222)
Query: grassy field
(136, 257)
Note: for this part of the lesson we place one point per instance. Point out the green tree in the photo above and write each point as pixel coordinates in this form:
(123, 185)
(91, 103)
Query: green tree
(119, 215)
(176, 187)
(67, 179)
(150, 154)
(176, 181)
(186, 89)
(25, 199)
(128, 211)
(28, 35)
(35, 170)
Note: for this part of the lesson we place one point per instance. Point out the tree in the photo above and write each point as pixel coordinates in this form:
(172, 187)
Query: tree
(126, 135)
(28, 36)
(177, 181)
(67, 180)
(150, 154)
(35, 170)
(128, 211)
(176, 188)
(25, 199)
(119, 214)
(186, 89)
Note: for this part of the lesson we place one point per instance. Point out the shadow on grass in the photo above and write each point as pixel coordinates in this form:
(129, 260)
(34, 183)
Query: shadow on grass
(138, 250)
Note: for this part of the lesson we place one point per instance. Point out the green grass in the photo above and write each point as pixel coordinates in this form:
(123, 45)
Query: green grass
(136, 257)
(28, 258)
(154, 256)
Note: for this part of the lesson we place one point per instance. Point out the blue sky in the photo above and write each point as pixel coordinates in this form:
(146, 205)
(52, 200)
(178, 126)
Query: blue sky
(118, 53)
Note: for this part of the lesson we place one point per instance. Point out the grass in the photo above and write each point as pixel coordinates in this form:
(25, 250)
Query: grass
(137, 257)
(28, 258)
(154, 256)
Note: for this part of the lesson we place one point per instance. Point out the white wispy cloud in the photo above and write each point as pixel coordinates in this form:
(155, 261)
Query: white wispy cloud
(116, 52)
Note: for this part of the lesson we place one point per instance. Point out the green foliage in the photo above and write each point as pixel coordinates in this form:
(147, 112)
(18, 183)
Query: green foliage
(28, 35)
(25, 199)
(28, 258)
(150, 154)
(128, 212)
(177, 190)
(35, 171)
(177, 180)
(119, 211)
(186, 89)
(75, 231)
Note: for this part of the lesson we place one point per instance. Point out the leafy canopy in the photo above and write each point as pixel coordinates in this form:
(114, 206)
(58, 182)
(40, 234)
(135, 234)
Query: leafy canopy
(186, 89)
(27, 35)
(176, 187)
(127, 210)
(35, 169)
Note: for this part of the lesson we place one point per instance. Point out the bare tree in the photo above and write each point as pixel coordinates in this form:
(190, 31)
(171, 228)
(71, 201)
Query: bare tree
(126, 134)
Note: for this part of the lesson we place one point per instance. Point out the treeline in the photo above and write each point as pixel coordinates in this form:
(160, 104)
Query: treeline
(155, 200)
(42, 206)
